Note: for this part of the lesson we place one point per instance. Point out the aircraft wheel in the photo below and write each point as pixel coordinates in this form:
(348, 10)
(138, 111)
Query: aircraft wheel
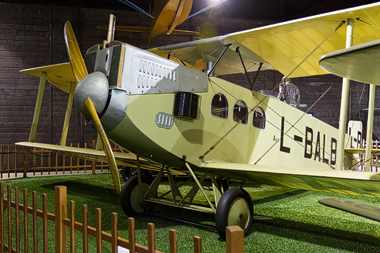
(128, 172)
(130, 197)
(235, 208)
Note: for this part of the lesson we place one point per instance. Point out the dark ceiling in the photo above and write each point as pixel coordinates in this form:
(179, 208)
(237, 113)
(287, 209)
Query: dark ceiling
(279, 10)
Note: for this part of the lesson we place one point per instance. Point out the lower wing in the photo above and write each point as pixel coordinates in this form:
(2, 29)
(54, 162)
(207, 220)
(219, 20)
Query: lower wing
(339, 181)
(122, 159)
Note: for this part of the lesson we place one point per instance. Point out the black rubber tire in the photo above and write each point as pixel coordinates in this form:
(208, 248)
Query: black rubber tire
(236, 205)
(128, 172)
(129, 196)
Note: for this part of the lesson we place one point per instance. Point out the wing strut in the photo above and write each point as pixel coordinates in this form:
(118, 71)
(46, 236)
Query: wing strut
(344, 103)
(37, 108)
(256, 75)
(245, 69)
(217, 61)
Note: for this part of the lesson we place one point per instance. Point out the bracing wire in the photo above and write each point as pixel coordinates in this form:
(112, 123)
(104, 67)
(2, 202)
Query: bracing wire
(313, 51)
(291, 72)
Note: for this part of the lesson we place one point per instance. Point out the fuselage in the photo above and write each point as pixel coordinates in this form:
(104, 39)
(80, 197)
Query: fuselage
(166, 112)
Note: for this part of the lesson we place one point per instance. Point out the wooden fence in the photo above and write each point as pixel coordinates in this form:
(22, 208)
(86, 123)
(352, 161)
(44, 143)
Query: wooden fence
(15, 228)
(21, 162)
(375, 159)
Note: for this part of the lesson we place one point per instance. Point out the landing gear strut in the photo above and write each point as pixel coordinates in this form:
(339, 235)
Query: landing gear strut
(231, 207)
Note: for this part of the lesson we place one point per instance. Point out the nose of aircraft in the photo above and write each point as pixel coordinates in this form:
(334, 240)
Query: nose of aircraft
(94, 86)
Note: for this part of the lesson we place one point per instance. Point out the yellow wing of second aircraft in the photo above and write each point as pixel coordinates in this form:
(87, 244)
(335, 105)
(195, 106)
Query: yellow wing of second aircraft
(60, 75)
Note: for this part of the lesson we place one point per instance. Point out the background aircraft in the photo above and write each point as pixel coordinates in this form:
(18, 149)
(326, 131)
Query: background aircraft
(165, 16)
(177, 118)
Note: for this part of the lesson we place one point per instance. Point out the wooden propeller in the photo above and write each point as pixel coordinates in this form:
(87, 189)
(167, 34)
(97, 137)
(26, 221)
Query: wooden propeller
(80, 71)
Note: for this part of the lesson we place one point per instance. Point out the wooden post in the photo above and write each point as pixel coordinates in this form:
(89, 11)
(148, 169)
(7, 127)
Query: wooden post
(35, 230)
(114, 232)
(60, 215)
(37, 108)
(25, 163)
(234, 239)
(2, 225)
(26, 244)
(9, 196)
(173, 241)
(85, 228)
(71, 161)
(9, 161)
(16, 161)
(98, 230)
(72, 227)
(93, 162)
(44, 223)
(197, 244)
(151, 238)
(17, 218)
(132, 236)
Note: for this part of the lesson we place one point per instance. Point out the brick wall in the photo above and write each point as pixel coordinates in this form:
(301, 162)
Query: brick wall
(32, 35)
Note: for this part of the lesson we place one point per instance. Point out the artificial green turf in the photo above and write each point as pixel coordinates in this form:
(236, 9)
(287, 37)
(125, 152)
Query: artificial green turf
(300, 224)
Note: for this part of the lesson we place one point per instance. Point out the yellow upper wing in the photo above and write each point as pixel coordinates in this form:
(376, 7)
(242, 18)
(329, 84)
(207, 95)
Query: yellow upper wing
(60, 75)
(284, 45)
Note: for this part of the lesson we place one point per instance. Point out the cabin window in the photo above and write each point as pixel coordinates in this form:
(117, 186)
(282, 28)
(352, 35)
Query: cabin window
(259, 118)
(240, 112)
(219, 106)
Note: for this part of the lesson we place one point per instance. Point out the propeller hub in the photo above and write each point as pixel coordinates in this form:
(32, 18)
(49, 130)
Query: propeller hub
(94, 86)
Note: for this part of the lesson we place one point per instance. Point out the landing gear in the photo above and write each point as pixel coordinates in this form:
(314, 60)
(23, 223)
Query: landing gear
(128, 172)
(234, 209)
(130, 196)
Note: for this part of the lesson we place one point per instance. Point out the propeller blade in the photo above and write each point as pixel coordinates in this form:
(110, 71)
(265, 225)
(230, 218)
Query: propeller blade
(80, 72)
(107, 147)
(75, 55)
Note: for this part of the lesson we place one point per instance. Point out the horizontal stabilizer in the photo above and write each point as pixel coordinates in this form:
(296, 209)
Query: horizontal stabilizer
(60, 75)
(367, 211)
(359, 63)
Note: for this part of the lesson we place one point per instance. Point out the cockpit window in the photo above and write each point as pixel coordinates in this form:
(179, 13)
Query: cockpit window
(219, 106)
(259, 118)
(240, 112)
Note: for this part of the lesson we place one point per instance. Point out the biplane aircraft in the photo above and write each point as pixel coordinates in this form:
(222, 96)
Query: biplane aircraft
(165, 16)
(168, 107)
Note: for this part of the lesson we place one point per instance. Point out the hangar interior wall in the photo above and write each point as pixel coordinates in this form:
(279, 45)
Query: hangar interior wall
(32, 36)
